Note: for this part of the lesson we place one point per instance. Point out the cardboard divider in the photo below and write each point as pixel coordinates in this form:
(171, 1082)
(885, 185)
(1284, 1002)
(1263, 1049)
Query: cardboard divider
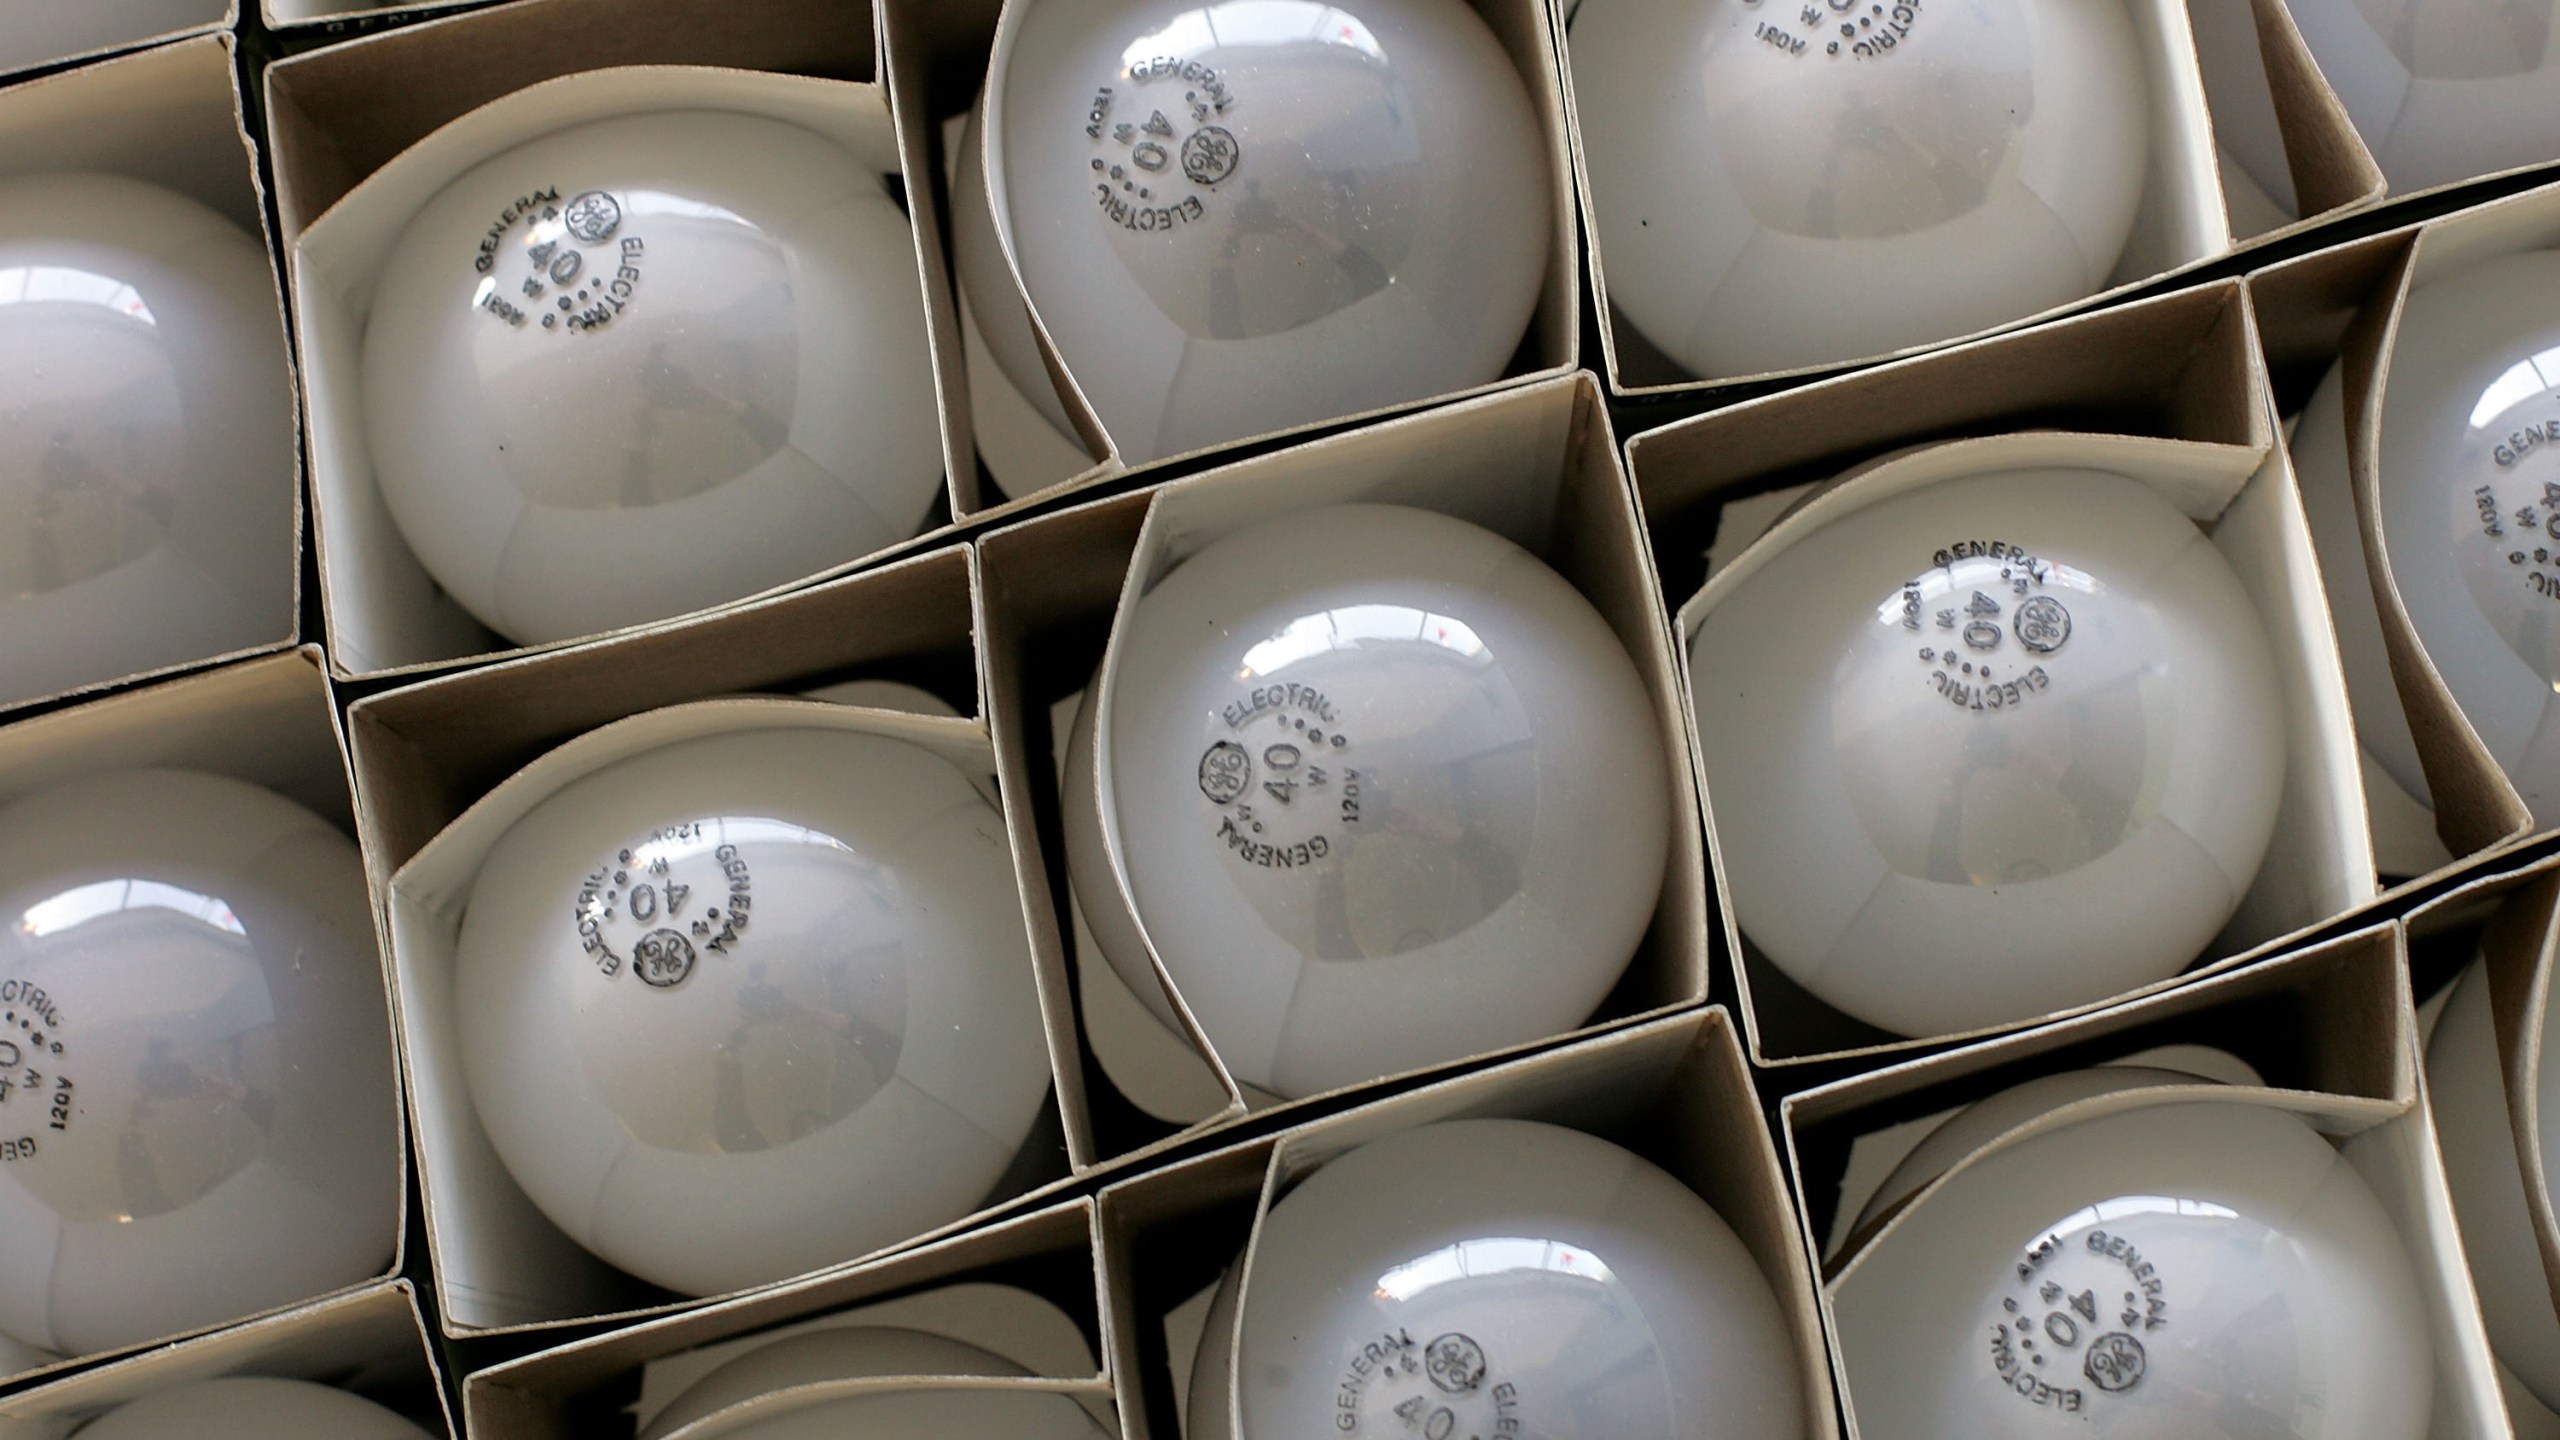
(1027, 1289)
(2326, 1031)
(174, 117)
(372, 1342)
(1536, 464)
(271, 722)
(336, 17)
(1675, 1091)
(2166, 389)
(44, 35)
(2201, 58)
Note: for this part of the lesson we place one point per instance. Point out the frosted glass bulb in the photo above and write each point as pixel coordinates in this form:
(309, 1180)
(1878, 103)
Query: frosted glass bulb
(249, 1407)
(746, 1005)
(197, 1118)
(2441, 90)
(977, 256)
(1770, 191)
(2467, 1093)
(883, 695)
(1989, 749)
(1388, 790)
(146, 435)
(650, 364)
(866, 1351)
(2154, 1274)
(1516, 1277)
(1247, 215)
(2470, 482)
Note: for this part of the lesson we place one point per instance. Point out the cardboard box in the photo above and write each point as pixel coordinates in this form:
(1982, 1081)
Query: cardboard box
(271, 722)
(939, 57)
(1535, 463)
(173, 117)
(1674, 1090)
(371, 1341)
(2177, 376)
(365, 131)
(2326, 1032)
(1026, 1290)
(2242, 56)
(445, 765)
(2340, 306)
(41, 35)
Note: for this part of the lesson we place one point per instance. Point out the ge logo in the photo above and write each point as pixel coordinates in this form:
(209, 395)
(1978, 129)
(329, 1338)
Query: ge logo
(2042, 624)
(662, 958)
(1455, 1363)
(1210, 155)
(2115, 1362)
(592, 216)
(1225, 772)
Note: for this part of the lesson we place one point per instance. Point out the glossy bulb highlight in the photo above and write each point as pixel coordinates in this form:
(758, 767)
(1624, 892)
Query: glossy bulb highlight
(2441, 90)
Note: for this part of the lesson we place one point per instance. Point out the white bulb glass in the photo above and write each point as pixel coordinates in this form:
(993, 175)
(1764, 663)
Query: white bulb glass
(1988, 749)
(645, 365)
(1247, 215)
(2441, 90)
(986, 279)
(2470, 484)
(1388, 790)
(871, 1351)
(2466, 1091)
(1773, 191)
(745, 1005)
(197, 1117)
(146, 435)
(2162, 1273)
(1517, 1278)
(250, 1407)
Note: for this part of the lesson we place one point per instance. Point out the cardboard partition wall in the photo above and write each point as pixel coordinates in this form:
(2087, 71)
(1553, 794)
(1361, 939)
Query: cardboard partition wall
(2326, 1032)
(2213, 69)
(1535, 464)
(128, 547)
(2167, 390)
(40, 35)
(1027, 1291)
(445, 765)
(939, 58)
(372, 1342)
(342, 17)
(366, 131)
(2340, 308)
(1676, 1091)
(271, 722)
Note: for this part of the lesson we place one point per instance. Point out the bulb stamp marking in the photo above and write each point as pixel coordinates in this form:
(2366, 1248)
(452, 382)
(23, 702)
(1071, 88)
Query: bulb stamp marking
(1858, 29)
(1157, 161)
(37, 1095)
(579, 273)
(638, 911)
(1281, 801)
(1440, 1390)
(2053, 1345)
(1977, 600)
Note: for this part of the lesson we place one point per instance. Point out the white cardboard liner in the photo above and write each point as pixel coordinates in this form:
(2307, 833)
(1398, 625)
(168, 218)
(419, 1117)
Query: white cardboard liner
(271, 722)
(1683, 1066)
(2319, 864)
(370, 1335)
(1503, 461)
(1554, 335)
(171, 116)
(499, 1262)
(383, 610)
(42, 33)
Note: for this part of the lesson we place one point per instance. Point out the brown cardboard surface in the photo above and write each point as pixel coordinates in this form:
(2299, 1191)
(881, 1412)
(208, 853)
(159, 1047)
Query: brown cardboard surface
(52, 34)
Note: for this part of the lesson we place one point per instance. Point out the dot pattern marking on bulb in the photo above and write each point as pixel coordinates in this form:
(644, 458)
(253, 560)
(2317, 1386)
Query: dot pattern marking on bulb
(581, 270)
(34, 1092)
(1864, 29)
(632, 912)
(1382, 1390)
(1280, 799)
(1961, 600)
(2047, 1325)
(1143, 151)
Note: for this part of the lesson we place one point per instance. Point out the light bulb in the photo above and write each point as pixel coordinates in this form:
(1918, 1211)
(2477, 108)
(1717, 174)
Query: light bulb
(2470, 484)
(869, 1351)
(146, 435)
(1989, 749)
(2177, 1270)
(250, 1407)
(197, 1118)
(1779, 187)
(649, 364)
(1246, 215)
(2467, 1094)
(1389, 793)
(745, 1005)
(1496, 1277)
(977, 257)
(2441, 90)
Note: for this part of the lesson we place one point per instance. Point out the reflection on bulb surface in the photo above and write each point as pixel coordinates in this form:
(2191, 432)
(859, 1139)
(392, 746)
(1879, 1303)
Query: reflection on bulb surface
(250, 1407)
(1775, 188)
(866, 1351)
(1553, 1285)
(2441, 90)
(742, 1005)
(1389, 793)
(2179, 1269)
(1244, 216)
(2056, 714)
(647, 364)
(146, 434)
(196, 1113)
